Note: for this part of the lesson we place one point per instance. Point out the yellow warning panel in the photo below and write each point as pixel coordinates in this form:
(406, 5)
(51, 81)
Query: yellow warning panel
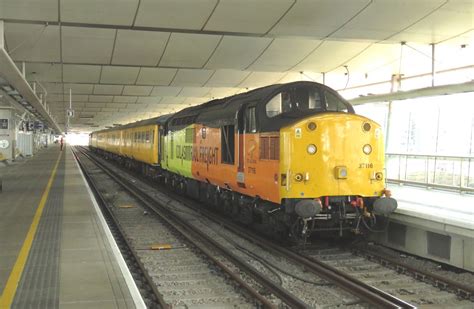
(126, 206)
(161, 247)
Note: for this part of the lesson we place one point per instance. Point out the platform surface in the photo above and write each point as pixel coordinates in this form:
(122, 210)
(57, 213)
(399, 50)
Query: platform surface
(434, 205)
(70, 262)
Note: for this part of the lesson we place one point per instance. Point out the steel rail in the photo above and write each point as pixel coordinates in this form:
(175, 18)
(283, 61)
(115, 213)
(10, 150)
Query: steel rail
(350, 284)
(462, 290)
(190, 233)
(121, 233)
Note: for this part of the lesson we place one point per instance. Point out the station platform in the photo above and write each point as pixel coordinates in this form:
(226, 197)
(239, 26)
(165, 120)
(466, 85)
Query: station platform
(435, 224)
(55, 248)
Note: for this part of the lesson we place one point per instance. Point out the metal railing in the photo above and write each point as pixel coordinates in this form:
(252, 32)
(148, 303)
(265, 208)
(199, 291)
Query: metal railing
(436, 171)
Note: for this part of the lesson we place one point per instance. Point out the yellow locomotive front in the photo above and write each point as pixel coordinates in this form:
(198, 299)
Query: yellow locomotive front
(331, 166)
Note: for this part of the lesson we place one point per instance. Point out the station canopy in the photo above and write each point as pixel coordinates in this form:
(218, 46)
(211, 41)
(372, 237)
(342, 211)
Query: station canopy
(126, 60)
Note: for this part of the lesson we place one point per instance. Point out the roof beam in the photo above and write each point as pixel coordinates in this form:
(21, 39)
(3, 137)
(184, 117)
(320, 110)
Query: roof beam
(416, 93)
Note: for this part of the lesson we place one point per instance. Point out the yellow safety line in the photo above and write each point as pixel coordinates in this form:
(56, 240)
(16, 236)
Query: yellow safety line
(12, 284)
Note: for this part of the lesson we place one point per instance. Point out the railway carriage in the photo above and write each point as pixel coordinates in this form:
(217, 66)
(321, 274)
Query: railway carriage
(294, 158)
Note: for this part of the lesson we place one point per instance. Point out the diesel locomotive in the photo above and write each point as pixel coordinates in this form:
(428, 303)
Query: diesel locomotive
(294, 158)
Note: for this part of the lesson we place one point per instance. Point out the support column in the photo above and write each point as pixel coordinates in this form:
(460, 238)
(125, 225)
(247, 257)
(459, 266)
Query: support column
(433, 73)
(2, 35)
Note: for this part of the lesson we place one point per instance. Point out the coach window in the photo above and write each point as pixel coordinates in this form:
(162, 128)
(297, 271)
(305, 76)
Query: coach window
(250, 120)
(227, 144)
(147, 136)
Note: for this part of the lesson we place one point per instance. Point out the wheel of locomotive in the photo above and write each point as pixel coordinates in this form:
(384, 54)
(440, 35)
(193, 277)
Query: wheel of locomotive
(175, 183)
(234, 201)
(226, 203)
(182, 187)
(167, 180)
(246, 214)
(211, 196)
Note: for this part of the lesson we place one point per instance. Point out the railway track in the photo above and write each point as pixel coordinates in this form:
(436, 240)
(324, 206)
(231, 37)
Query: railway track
(399, 280)
(363, 294)
(201, 242)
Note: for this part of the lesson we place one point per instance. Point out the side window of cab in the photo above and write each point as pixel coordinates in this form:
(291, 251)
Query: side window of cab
(280, 103)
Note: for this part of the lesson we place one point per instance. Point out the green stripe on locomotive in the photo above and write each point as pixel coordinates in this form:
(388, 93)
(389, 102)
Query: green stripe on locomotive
(178, 152)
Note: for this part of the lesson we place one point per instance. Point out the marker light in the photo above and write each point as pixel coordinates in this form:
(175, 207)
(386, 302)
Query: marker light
(367, 149)
(312, 149)
(366, 126)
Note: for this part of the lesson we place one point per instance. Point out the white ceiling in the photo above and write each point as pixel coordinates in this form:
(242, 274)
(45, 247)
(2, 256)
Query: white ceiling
(131, 59)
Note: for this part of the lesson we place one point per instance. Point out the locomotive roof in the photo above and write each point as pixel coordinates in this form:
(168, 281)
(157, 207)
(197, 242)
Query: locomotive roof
(221, 112)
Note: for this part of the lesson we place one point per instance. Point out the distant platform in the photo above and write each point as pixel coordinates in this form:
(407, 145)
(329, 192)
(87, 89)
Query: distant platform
(434, 224)
(56, 250)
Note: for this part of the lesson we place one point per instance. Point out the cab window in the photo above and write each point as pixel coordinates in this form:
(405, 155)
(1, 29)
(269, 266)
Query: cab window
(273, 107)
(250, 120)
(333, 103)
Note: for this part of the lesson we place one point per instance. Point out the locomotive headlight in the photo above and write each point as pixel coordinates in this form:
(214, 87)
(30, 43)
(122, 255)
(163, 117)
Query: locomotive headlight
(312, 149)
(367, 149)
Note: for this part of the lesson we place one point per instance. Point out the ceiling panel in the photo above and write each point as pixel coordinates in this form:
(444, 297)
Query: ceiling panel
(109, 109)
(259, 79)
(189, 50)
(87, 45)
(317, 19)
(376, 57)
(28, 42)
(183, 14)
(91, 109)
(43, 72)
(119, 75)
(172, 100)
(156, 76)
(111, 12)
(78, 88)
(164, 91)
(454, 18)
(53, 88)
(236, 52)
(137, 90)
(222, 92)
(247, 16)
(116, 105)
(186, 77)
(81, 73)
(46, 10)
(76, 98)
(149, 100)
(100, 98)
(227, 78)
(55, 97)
(382, 19)
(125, 99)
(139, 47)
(303, 75)
(330, 55)
(194, 92)
(283, 54)
(108, 89)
